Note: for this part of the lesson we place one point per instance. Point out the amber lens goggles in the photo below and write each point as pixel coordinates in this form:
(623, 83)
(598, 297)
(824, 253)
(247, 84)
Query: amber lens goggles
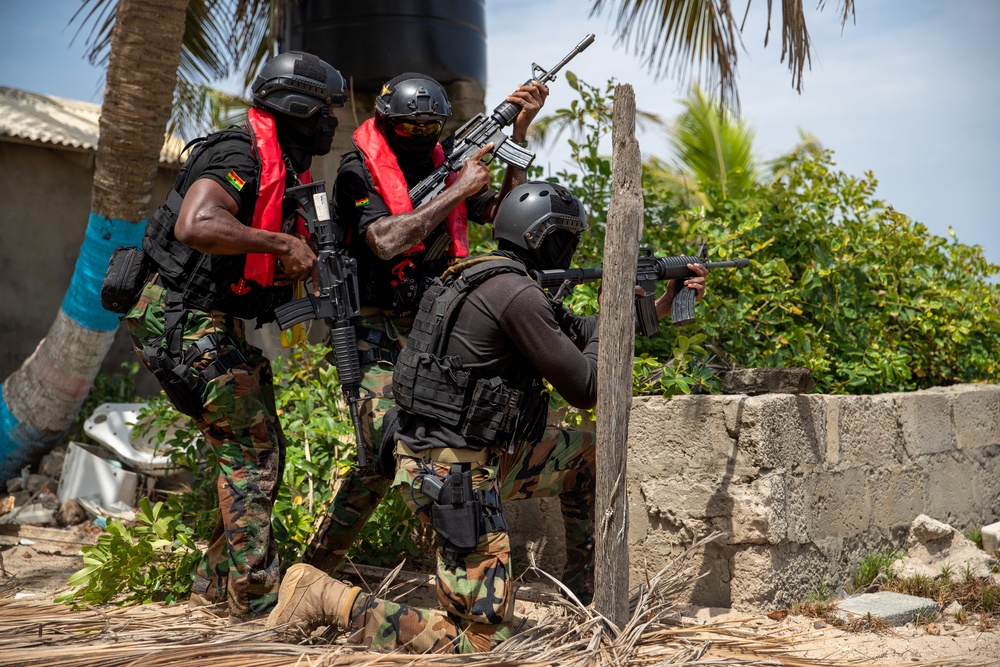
(425, 129)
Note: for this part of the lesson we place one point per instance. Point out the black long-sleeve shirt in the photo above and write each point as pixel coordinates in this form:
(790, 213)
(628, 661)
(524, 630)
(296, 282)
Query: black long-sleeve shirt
(506, 321)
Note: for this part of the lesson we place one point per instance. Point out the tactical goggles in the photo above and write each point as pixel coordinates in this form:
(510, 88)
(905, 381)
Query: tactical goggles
(406, 128)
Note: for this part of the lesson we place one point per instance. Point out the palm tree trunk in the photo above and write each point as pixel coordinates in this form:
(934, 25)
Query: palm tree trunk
(40, 400)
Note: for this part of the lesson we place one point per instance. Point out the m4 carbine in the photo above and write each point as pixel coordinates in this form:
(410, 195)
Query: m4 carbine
(337, 304)
(481, 130)
(649, 270)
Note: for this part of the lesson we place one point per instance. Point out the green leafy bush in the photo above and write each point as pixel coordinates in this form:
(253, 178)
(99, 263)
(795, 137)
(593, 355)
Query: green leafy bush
(151, 561)
(131, 563)
(847, 287)
(840, 283)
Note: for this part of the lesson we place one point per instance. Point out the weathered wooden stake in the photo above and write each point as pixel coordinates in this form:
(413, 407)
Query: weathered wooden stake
(614, 362)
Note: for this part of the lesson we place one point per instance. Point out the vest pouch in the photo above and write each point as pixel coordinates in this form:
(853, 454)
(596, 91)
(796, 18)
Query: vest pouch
(493, 410)
(385, 462)
(533, 418)
(186, 379)
(438, 389)
(127, 272)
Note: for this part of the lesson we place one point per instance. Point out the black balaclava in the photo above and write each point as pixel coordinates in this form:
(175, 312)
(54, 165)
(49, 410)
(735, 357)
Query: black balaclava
(302, 138)
(412, 153)
(556, 251)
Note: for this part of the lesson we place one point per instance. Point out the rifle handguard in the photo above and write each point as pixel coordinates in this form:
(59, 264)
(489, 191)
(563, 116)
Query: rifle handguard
(344, 342)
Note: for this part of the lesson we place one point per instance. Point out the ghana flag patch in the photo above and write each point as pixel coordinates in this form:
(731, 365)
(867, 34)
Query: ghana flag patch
(358, 203)
(235, 180)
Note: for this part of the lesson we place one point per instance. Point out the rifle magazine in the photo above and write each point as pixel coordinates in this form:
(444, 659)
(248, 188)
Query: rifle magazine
(295, 312)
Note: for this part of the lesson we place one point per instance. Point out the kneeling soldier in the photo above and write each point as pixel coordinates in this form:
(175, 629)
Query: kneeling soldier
(472, 433)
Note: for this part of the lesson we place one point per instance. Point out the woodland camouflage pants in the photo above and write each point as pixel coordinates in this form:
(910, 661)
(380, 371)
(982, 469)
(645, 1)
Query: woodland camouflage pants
(476, 594)
(239, 422)
(362, 489)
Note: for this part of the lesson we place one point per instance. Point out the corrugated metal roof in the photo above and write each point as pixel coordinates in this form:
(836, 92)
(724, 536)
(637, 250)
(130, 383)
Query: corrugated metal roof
(56, 120)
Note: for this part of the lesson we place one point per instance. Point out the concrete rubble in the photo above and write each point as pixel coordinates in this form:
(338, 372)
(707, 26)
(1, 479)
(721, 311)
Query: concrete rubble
(991, 539)
(934, 547)
(892, 608)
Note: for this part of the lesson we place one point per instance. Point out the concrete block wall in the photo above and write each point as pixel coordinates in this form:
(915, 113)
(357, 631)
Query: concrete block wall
(802, 487)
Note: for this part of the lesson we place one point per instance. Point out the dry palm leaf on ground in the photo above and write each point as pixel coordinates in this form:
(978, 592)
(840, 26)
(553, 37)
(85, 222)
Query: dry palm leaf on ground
(569, 635)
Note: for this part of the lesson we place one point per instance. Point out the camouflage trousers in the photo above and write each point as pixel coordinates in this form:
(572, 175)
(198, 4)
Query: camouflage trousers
(240, 424)
(476, 593)
(363, 488)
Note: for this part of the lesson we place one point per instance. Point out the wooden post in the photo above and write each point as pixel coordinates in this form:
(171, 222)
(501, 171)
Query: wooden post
(614, 363)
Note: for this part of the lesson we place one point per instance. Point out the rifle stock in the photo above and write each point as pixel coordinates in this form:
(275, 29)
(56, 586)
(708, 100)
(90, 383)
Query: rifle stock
(338, 301)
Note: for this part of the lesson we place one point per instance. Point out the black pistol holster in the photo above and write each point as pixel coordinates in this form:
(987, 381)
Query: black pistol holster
(461, 514)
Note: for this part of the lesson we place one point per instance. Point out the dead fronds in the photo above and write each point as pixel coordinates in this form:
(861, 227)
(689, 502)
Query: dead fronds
(570, 635)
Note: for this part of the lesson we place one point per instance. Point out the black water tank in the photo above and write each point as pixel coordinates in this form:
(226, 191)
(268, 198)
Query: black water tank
(374, 40)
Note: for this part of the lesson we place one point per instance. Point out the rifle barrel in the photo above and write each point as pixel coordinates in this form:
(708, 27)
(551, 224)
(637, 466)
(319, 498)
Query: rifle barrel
(551, 74)
(734, 264)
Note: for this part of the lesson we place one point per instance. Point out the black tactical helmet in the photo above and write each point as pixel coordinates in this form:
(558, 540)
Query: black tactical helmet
(414, 97)
(531, 211)
(298, 84)
(542, 223)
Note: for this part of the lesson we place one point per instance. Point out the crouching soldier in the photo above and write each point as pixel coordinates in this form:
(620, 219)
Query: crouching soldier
(472, 435)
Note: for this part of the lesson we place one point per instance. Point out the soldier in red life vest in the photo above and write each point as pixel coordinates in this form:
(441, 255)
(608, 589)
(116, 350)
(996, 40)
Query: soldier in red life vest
(399, 251)
(224, 247)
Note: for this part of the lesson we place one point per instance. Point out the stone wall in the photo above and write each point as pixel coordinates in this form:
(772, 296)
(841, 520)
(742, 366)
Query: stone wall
(801, 487)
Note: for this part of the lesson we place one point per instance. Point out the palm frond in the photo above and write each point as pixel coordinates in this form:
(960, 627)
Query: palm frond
(222, 38)
(676, 36)
(204, 29)
(568, 635)
(256, 32)
(715, 146)
(196, 105)
(846, 10)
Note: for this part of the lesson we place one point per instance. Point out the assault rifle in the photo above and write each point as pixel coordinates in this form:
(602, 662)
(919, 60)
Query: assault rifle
(338, 301)
(481, 130)
(649, 270)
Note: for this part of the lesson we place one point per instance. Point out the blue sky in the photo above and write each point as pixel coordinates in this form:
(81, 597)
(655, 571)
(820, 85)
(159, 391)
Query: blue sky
(910, 91)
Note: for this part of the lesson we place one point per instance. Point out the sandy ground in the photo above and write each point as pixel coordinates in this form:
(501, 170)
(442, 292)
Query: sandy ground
(38, 572)
(943, 642)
